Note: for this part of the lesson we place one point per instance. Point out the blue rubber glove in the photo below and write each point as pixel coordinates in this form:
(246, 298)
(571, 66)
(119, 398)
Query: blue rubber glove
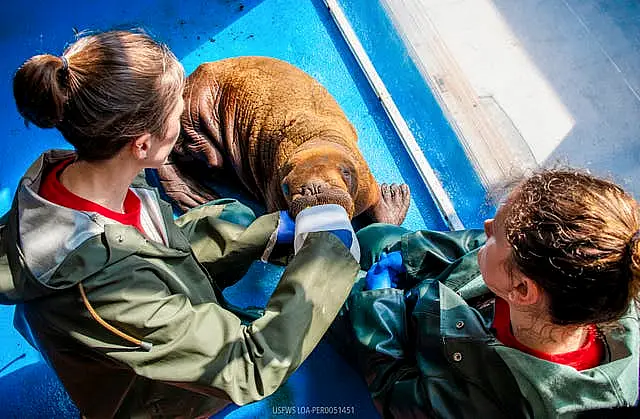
(386, 272)
(286, 228)
(392, 261)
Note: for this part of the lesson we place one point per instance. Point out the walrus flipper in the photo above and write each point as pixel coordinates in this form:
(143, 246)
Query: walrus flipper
(185, 192)
(393, 204)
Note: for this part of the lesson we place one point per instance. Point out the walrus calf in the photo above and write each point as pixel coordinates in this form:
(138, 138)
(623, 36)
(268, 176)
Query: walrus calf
(284, 136)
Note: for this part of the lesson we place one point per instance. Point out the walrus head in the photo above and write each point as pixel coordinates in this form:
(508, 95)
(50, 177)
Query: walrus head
(319, 175)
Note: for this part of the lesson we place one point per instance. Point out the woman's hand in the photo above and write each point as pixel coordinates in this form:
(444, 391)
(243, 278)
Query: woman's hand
(386, 272)
(286, 228)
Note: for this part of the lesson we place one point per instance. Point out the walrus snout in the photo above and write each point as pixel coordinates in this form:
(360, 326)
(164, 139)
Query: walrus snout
(313, 188)
(314, 178)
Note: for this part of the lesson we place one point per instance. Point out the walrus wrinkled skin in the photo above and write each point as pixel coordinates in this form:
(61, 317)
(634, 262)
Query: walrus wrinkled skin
(284, 136)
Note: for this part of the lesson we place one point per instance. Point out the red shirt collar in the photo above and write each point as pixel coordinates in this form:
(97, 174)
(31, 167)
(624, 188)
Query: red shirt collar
(588, 356)
(54, 191)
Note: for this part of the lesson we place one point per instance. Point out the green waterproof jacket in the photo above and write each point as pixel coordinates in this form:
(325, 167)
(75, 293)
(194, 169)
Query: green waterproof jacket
(196, 355)
(428, 351)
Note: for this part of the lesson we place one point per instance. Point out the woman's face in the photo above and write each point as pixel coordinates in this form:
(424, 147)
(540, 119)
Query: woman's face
(492, 257)
(161, 147)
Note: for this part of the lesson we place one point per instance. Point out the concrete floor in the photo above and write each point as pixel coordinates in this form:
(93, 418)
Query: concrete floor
(533, 82)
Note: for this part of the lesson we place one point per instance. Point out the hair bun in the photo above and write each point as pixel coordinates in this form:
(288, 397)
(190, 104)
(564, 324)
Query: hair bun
(39, 92)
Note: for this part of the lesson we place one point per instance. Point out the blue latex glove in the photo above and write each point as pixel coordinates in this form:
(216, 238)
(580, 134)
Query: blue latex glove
(286, 228)
(392, 261)
(386, 272)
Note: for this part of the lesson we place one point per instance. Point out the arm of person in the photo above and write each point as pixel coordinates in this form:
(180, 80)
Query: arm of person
(436, 245)
(226, 238)
(206, 348)
(404, 357)
(448, 256)
(376, 308)
(6, 280)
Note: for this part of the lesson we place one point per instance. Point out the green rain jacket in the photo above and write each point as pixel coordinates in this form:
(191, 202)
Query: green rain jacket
(202, 355)
(428, 350)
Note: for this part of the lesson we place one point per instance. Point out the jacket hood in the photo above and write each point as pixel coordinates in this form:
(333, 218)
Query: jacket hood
(47, 247)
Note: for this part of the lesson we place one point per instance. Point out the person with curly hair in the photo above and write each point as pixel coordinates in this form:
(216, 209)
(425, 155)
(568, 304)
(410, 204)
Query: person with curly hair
(533, 317)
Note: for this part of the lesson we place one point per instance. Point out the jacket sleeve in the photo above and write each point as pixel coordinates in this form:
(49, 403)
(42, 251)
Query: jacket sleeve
(379, 323)
(409, 374)
(226, 238)
(6, 279)
(397, 332)
(206, 348)
(378, 317)
(448, 256)
(381, 348)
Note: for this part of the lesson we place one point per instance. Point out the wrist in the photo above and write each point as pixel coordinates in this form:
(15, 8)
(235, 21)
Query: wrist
(329, 217)
(286, 228)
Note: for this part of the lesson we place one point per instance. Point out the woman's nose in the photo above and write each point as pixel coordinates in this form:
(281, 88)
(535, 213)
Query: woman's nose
(488, 227)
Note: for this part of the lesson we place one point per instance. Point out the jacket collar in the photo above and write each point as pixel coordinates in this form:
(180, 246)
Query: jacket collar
(50, 247)
(552, 389)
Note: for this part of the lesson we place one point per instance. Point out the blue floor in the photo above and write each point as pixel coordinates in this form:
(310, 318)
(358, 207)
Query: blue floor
(301, 32)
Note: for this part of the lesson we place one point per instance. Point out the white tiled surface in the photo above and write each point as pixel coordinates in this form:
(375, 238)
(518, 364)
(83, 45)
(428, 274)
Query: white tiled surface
(528, 82)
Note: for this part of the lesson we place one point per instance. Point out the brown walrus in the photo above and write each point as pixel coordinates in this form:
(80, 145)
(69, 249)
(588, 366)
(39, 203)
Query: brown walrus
(284, 136)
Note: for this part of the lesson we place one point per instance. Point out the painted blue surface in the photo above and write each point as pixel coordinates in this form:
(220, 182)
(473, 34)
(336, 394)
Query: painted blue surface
(302, 33)
(420, 109)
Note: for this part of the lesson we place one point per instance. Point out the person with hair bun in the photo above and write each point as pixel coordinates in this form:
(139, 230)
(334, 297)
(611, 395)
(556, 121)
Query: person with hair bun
(533, 317)
(124, 302)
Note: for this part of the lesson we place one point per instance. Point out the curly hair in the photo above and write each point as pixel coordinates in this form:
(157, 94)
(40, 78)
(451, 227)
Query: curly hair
(577, 237)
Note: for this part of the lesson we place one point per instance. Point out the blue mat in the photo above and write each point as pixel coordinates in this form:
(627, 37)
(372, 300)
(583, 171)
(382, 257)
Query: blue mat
(302, 33)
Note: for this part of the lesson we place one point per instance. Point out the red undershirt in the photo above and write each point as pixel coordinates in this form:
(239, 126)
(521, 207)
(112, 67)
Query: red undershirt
(52, 190)
(588, 356)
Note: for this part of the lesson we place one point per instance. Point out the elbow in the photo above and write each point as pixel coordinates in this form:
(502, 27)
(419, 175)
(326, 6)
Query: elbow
(250, 397)
(262, 382)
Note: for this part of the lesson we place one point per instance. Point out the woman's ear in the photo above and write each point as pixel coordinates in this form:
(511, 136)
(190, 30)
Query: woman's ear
(525, 292)
(140, 146)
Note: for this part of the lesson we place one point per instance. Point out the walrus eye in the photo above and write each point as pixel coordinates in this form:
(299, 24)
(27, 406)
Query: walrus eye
(346, 174)
(349, 179)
